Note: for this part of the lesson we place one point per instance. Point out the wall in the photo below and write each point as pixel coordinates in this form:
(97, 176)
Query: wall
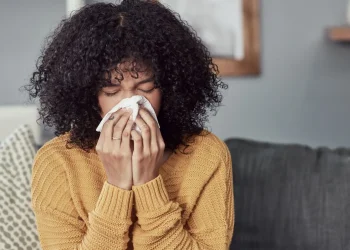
(303, 93)
(23, 26)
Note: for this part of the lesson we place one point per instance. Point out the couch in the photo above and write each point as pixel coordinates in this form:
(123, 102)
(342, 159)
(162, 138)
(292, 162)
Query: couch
(290, 197)
(287, 197)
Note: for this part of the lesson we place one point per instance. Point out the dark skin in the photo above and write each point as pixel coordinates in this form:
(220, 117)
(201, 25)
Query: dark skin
(132, 158)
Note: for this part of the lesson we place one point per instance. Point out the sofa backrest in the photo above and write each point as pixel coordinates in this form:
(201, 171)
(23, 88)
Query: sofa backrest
(290, 196)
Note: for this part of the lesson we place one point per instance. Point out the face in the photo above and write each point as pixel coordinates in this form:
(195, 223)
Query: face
(143, 85)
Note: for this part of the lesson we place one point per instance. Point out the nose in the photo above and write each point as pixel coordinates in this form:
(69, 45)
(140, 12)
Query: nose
(128, 93)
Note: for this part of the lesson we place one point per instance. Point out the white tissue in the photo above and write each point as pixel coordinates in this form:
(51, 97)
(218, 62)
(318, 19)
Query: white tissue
(133, 103)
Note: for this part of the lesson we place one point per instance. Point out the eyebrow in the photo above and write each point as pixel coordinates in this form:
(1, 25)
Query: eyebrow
(149, 79)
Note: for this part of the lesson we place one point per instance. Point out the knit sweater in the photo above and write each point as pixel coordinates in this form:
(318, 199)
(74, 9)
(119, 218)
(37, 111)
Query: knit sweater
(188, 206)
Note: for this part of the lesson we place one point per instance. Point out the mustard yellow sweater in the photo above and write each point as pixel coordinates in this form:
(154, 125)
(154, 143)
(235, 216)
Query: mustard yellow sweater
(188, 206)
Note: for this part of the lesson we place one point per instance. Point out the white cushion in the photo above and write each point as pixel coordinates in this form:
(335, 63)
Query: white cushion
(14, 116)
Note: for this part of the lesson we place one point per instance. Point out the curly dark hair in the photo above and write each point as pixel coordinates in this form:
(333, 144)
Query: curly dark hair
(69, 72)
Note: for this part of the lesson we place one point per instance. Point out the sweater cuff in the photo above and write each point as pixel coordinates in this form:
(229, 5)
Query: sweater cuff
(114, 202)
(150, 195)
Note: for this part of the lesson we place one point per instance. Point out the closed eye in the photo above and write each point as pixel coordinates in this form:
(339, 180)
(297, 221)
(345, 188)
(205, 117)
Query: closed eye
(148, 91)
(110, 93)
(111, 90)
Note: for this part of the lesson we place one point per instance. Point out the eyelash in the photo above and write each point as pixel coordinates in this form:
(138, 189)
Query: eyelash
(148, 91)
(110, 94)
(144, 91)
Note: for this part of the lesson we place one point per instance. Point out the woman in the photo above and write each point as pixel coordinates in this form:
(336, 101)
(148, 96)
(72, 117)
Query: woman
(163, 188)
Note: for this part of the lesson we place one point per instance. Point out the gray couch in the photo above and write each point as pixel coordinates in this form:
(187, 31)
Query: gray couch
(290, 196)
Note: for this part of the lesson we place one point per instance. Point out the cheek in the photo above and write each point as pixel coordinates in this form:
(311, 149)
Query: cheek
(106, 103)
(155, 101)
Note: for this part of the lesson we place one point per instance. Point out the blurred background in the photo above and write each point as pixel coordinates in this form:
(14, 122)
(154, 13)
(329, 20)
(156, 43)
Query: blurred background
(301, 95)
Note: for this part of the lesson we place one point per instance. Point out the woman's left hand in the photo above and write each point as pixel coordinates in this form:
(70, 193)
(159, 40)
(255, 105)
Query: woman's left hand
(148, 149)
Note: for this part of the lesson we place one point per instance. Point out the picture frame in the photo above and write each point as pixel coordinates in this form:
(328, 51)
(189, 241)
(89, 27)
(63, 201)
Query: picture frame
(246, 22)
(247, 63)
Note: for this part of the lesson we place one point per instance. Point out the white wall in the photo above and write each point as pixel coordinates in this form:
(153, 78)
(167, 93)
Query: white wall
(303, 93)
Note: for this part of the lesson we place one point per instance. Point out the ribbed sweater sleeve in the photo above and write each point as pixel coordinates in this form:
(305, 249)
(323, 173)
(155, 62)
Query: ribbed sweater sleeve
(59, 224)
(210, 225)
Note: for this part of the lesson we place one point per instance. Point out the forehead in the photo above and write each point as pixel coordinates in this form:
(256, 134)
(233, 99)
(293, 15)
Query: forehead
(131, 66)
(131, 69)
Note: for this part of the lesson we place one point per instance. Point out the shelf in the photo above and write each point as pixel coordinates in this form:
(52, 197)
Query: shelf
(339, 34)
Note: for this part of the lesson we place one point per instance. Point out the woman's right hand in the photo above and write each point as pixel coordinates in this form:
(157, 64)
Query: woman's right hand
(115, 154)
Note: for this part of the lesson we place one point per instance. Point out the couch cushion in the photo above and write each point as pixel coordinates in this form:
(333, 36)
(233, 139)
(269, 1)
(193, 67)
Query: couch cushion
(17, 221)
(290, 196)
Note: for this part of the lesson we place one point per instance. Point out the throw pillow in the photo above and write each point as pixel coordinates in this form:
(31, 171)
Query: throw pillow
(17, 221)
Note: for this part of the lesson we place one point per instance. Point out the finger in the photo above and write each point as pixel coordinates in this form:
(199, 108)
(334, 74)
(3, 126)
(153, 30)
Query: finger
(161, 143)
(137, 138)
(152, 124)
(119, 128)
(145, 133)
(99, 143)
(126, 135)
(107, 129)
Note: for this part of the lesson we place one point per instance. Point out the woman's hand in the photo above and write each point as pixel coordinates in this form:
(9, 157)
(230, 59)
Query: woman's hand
(148, 149)
(113, 148)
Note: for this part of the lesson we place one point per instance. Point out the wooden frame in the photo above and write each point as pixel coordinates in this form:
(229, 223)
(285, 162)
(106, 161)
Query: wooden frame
(339, 34)
(250, 64)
